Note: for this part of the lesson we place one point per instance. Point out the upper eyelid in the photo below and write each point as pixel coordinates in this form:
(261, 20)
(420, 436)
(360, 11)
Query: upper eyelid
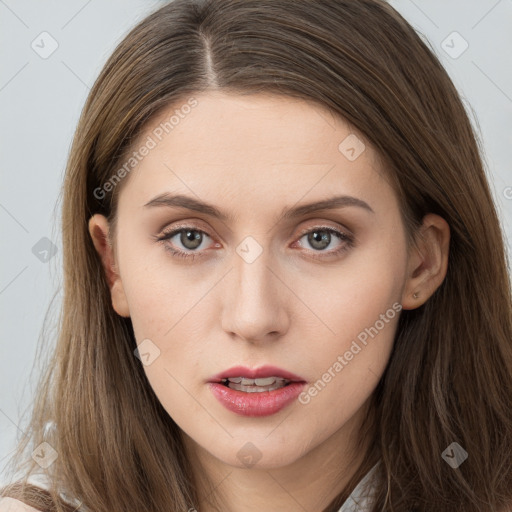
(197, 227)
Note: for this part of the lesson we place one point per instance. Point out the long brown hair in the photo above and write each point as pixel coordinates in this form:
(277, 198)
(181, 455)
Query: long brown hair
(449, 378)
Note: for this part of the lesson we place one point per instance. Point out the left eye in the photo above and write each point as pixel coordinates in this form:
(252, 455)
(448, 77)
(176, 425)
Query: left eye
(191, 239)
(320, 238)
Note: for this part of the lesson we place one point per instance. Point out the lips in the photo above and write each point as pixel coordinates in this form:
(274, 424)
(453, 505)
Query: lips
(256, 373)
(248, 391)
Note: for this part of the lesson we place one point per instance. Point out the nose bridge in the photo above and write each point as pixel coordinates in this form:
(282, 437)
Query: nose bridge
(254, 308)
(252, 273)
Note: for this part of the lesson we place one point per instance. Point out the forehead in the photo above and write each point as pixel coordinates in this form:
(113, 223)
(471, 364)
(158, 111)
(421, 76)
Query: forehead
(260, 147)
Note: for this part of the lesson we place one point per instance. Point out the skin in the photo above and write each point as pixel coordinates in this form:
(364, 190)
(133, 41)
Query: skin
(252, 156)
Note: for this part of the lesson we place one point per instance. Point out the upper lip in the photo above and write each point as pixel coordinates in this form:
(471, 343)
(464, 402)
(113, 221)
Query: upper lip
(256, 373)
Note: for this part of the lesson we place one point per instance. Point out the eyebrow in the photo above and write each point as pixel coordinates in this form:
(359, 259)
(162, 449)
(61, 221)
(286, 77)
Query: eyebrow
(183, 201)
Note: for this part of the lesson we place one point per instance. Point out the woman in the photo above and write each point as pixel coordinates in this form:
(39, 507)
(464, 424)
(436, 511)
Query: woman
(285, 286)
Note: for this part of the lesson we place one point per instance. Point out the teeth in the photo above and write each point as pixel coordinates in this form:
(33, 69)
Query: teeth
(267, 381)
(255, 389)
(255, 385)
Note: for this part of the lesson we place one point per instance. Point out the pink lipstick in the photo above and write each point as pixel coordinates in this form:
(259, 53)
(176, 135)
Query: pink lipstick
(256, 392)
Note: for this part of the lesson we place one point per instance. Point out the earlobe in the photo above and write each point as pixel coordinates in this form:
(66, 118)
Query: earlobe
(99, 231)
(428, 262)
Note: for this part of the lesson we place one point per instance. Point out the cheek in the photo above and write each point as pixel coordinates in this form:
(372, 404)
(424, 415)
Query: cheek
(155, 293)
(359, 306)
(348, 365)
(164, 304)
(350, 296)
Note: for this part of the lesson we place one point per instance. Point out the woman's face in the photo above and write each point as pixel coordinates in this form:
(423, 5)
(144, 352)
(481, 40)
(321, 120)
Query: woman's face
(268, 283)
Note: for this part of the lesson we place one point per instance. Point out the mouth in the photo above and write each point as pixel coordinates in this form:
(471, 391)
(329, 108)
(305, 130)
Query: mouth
(256, 392)
(265, 378)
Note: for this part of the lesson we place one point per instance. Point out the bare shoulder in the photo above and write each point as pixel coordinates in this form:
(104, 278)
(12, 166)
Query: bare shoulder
(12, 505)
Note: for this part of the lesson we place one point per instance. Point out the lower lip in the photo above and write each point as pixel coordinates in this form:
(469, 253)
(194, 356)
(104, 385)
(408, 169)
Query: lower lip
(261, 403)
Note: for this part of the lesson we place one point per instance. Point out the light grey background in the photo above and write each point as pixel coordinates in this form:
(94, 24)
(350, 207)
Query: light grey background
(41, 99)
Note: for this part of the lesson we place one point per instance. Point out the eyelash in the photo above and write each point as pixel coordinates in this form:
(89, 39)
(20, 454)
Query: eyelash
(347, 239)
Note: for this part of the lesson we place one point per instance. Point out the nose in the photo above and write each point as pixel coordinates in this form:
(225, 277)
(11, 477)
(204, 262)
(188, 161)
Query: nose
(256, 303)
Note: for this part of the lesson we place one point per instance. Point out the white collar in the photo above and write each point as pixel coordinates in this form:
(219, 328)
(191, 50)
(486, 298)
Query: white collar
(360, 499)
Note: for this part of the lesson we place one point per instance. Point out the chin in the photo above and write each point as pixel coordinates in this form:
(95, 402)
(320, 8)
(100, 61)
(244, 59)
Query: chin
(252, 454)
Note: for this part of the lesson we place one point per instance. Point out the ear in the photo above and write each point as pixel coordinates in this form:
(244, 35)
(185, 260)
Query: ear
(99, 231)
(428, 262)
